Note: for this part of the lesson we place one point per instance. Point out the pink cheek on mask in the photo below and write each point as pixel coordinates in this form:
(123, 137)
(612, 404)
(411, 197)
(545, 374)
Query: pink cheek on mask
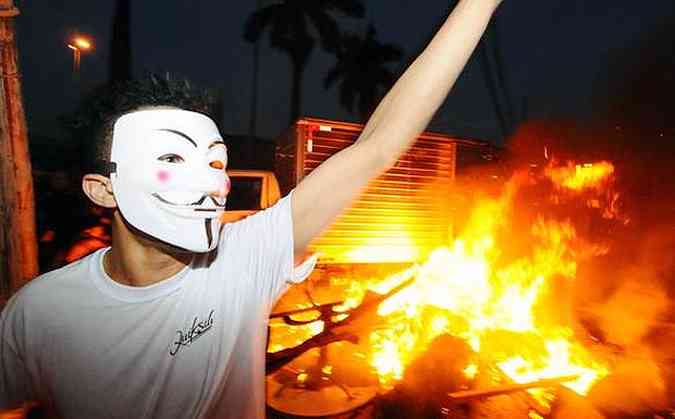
(225, 190)
(163, 176)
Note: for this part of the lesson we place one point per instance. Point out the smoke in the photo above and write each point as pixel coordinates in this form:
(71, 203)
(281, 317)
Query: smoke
(629, 313)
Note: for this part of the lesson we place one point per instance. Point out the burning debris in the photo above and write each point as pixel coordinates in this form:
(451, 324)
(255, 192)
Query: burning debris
(504, 309)
(423, 390)
(502, 293)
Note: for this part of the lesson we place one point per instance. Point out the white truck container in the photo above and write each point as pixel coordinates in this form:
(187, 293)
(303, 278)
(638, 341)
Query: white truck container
(398, 219)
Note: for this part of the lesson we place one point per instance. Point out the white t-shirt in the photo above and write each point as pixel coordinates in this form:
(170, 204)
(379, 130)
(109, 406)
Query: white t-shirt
(191, 346)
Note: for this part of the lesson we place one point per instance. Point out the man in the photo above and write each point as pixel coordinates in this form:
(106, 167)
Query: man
(170, 321)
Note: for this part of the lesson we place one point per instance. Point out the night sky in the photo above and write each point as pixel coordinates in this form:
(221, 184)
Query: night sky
(559, 56)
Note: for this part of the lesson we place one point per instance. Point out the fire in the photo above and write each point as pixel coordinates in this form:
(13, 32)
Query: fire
(468, 291)
(563, 357)
(500, 286)
(596, 178)
(580, 176)
(373, 252)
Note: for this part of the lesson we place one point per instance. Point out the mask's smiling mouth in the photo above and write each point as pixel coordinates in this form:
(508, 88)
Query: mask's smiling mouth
(195, 206)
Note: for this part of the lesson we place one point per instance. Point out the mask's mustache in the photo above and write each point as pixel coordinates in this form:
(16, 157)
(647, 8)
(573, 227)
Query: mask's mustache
(198, 202)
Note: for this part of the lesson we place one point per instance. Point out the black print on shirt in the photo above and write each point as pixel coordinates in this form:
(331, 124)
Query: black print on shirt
(186, 337)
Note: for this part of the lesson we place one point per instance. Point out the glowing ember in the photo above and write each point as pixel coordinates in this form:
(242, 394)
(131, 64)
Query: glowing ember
(302, 377)
(471, 371)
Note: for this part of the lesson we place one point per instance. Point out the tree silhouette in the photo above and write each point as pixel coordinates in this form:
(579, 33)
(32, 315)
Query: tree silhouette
(362, 72)
(294, 26)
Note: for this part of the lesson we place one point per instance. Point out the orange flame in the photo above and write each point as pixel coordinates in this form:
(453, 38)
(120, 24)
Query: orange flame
(464, 290)
(580, 176)
(496, 298)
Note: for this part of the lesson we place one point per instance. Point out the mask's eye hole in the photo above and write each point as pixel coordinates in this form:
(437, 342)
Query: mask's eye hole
(217, 164)
(171, 158)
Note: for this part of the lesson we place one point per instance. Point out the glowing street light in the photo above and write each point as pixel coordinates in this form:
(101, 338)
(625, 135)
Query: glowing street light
(78, 44)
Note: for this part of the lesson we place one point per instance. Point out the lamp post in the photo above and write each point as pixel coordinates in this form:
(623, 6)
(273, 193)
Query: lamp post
(78, 44)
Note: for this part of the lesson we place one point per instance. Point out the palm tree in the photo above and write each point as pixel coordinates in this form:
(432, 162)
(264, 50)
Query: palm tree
(293, 28)
(361, 71)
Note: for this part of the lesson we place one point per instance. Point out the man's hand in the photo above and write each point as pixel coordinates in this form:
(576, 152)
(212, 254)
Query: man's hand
(396, 123)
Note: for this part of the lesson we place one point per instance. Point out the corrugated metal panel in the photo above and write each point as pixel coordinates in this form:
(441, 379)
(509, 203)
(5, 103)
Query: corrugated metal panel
(398, 217)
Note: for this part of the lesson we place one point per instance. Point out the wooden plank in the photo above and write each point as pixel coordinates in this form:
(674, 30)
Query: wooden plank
(469, 395)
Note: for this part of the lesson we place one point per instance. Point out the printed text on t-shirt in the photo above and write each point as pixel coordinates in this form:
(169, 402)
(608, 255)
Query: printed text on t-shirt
(186, 337)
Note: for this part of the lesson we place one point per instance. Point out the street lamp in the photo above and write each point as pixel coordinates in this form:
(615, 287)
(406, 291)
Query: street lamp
(78, 44)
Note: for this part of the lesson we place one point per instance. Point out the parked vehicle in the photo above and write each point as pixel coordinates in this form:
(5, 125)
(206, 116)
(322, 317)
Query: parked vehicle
(252, 191)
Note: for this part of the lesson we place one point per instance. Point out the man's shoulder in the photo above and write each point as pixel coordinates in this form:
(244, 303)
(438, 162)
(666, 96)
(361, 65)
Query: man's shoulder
(58, 280)
(256, 225)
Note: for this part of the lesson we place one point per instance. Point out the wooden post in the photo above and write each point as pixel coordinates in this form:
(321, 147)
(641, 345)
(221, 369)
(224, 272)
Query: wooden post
(18, 241)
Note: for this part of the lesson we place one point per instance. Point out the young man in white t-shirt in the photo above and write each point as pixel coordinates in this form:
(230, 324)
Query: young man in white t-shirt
(169, 322)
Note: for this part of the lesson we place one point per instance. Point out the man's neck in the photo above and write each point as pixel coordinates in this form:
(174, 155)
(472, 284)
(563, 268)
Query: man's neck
(139, 261)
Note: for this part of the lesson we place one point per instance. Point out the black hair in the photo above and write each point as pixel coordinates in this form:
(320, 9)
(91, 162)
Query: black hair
(95, 121)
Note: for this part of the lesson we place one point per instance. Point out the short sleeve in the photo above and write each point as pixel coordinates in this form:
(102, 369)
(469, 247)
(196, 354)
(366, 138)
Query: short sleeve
(263, 242)
(14, 376)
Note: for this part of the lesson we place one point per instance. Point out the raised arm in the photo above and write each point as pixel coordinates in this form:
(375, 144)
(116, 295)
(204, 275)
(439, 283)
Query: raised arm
(396, 123)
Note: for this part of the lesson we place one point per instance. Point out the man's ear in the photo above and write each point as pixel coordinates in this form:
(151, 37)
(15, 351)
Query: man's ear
(98, 189)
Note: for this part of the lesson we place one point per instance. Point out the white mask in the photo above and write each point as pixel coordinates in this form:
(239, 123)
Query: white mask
(166, 163)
